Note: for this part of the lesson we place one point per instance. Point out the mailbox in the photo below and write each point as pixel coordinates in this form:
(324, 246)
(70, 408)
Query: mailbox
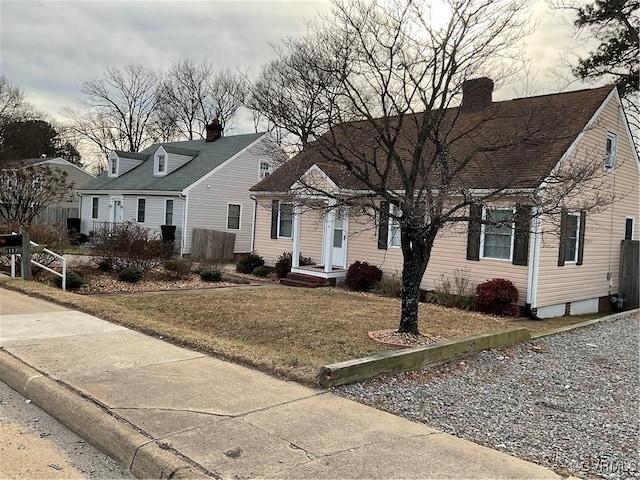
(10, 240)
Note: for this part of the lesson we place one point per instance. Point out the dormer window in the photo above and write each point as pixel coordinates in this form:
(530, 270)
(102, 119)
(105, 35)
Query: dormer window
(160, 162)
(610, 153)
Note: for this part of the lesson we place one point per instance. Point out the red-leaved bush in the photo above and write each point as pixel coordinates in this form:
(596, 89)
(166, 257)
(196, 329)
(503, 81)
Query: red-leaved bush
(496, 296)
(362, 277)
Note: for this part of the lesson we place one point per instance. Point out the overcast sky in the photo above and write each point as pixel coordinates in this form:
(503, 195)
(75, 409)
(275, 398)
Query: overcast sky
(48, 48)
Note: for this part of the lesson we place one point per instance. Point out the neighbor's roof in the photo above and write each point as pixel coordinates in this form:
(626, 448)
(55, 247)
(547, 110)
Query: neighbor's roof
(207, 156)
(513, 143)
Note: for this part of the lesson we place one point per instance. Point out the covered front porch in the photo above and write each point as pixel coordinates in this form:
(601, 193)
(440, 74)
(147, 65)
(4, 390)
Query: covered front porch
(333, 265)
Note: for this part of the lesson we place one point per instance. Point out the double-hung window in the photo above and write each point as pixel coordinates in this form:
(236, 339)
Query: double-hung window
(285, 220)
(572, 237)
(233, 216)
(168, 211)
(610, 152)
(113, 166)
(94, 207)
(265, 168)
(142, 205)
(497, 238)
(161, 164)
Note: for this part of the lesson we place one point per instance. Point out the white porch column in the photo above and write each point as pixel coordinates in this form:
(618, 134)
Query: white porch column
(295, 254)
(329, 225)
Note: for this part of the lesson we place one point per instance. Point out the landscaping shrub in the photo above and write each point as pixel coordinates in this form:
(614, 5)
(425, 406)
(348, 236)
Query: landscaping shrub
(179, 267)
(388, 286)
(210, 275)
(131, 275)
(362, 277)
(249, 262)
(77, 238)
(496, 296)
(73, 281)
(105, 265)
(283, 265)
(129, 245)
(456, 293)
(261, 271)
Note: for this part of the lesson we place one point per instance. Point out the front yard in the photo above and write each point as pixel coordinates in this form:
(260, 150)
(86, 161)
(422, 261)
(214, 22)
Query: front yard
(288, 332)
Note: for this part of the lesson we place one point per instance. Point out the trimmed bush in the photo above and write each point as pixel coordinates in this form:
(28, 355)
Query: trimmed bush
(283, 265)
(105, 265)
(497, 297)
(261, 271)
(73, 281)
(249, 262)
(362, 277)
(210, 275)
(131, 275)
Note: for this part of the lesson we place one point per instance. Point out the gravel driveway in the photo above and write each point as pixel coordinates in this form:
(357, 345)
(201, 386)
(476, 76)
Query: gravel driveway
(569, 401)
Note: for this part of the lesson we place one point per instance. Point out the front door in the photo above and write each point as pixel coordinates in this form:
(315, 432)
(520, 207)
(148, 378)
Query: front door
(339, 255)
(117, 210)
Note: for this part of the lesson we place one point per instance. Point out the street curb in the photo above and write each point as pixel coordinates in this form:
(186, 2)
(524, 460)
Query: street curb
(568, 328)
(140, 454)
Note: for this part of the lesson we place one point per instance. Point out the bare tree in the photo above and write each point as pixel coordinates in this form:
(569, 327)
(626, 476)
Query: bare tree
(194, 94)
(117, 110)
(25, 191)
(394, 72)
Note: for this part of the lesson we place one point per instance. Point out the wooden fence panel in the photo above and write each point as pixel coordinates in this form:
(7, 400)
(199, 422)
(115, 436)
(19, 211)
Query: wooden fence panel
(57, 216)
(211, 246)
(629, 270)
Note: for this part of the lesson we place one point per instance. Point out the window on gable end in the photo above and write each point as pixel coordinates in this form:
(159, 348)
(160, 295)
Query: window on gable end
(611, 151)
(265, 169)
(233, 216)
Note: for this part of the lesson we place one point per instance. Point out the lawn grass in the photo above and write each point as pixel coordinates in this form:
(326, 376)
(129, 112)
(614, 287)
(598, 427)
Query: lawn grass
(289, 332)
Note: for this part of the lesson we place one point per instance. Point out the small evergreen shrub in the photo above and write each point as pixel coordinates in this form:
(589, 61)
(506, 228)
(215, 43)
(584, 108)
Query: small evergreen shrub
(210, 275)
(105, 265)
(73, 281)
(496, 296)
(362, 277)
(283, 265)
(131, 275)
(248, 263)
(261, 271)
(388, 286)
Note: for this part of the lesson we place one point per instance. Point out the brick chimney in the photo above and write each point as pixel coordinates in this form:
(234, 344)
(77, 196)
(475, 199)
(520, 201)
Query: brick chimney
(476, 94)
(214, 130)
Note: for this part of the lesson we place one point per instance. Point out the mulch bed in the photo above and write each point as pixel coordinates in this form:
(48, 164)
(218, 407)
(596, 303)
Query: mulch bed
(404, 340)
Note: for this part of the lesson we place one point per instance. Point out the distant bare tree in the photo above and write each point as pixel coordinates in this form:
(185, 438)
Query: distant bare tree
(117, 110)
(194, 94)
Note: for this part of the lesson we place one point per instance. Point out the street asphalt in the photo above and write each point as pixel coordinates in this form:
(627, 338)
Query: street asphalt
(168, 412)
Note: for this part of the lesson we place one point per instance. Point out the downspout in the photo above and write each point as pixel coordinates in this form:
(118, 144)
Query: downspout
(534, 265)
(253, 225)
(184, 223)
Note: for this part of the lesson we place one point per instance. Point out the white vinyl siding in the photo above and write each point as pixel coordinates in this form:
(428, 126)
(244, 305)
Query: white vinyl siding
(229, 184)
(155, 213)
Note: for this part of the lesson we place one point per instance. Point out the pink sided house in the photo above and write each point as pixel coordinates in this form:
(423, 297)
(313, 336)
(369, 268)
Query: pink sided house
(572, 268)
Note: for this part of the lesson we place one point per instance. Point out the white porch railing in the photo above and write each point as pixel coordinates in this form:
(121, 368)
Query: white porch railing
(63, 260)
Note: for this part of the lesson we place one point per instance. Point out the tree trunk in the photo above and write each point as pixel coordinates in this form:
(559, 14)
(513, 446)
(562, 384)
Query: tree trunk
(416, 250)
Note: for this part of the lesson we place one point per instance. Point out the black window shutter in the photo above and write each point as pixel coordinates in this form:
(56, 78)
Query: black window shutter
(521, 240)
(275, 204)
(563, 237)
(383, 226)
(473, 235)
(583, 224)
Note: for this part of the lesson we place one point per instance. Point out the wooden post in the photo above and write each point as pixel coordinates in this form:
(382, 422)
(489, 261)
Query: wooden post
(25, 267)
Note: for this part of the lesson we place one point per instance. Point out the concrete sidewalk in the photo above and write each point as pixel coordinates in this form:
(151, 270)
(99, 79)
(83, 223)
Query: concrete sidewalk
(168, 412)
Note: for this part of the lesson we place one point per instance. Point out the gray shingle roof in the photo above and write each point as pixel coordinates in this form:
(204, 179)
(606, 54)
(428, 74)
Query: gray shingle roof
(207, 156)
